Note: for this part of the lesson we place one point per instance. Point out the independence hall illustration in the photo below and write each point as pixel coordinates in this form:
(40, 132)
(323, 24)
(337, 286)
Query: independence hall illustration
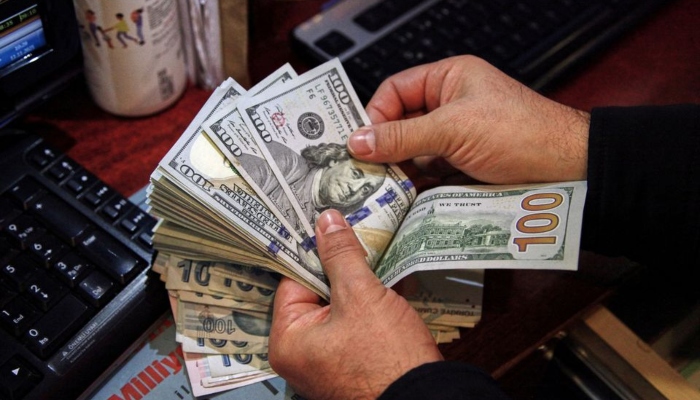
(435, 235)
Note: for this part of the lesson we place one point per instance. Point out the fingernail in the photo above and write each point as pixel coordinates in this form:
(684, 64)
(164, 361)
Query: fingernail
(330, 221)
(362, 141)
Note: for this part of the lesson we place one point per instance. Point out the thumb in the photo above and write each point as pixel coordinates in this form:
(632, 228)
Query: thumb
(395, 141)
(343, 258)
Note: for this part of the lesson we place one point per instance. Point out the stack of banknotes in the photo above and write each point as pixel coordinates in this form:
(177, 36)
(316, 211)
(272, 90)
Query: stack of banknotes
(238, 195)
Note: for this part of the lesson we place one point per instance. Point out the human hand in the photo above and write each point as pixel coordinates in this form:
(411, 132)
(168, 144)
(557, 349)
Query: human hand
(482, 122)
(356, 346)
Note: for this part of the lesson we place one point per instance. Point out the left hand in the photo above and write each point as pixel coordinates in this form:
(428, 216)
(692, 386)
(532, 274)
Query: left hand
(356, 346)
(482, 122)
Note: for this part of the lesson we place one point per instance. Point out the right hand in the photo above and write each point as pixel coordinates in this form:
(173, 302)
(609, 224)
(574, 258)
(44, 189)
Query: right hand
(356, 346)
(482, 122)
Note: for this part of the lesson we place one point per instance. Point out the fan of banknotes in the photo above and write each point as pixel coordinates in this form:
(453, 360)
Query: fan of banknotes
(239, 192)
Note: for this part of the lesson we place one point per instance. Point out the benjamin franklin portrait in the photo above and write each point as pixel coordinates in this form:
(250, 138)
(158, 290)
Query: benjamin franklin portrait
(323, 176)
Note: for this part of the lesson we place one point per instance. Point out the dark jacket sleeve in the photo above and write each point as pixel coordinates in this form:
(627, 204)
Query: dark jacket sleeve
(643, 197)
(444, 380)
(643, 202)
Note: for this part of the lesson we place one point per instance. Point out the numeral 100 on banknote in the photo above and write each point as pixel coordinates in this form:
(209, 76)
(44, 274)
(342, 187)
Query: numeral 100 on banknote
(539, 222)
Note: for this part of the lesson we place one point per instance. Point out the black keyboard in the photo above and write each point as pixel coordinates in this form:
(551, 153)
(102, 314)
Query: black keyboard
(535, 41)
(76, 289)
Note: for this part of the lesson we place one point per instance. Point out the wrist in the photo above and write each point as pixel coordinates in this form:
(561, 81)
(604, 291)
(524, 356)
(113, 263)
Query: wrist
(567, 158)
(578, 145)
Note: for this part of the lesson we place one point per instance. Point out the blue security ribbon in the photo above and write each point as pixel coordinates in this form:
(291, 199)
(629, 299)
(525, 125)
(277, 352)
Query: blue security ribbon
(273, 248)
(309, 243)
(284, 232)
(356, 217)
(386, 198)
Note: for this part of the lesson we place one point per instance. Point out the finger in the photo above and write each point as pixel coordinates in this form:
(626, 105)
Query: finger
(396, 141)
(292, 300)
(342, 255)
(401, 94)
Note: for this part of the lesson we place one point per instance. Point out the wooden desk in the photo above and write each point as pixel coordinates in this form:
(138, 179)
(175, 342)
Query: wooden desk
(657, 64)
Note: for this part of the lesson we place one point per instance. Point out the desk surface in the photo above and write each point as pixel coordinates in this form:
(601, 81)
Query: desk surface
(657, 64)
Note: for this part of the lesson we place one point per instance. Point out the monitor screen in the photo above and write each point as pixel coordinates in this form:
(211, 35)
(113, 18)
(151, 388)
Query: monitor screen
(39, 53)
(22, 38)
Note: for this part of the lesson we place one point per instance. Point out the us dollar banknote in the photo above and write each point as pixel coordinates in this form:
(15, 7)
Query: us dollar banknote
(454, 227)
(196, 165)
(228, 131)
(302, 129)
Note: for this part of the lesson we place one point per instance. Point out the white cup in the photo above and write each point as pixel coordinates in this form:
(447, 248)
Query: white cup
(133, 56)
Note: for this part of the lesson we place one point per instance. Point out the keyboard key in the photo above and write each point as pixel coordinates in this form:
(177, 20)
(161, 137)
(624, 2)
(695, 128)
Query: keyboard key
(137, 220)
(23, 229)
(97, 195)
(6, 294)
(451, 32)
(64, 219)
(97, 289)
(478, 10)
(116, 207)
(523, 38)
(57, 173)
(476, 41)
(43, 290)
(16, 315)
(7, 250)
(508, 21)
(493, 30)
(146, 239)
(64, 168)
(334, 43)
(72, 268)
(382, 50)
(501, 52)
(523, 9)
(46, 249)
(17, 271)
(8, 211)
(128, 226)
(80, 182)
(41, 156)
(25, 190)
(422, 24)
(110, 255)
(403, 37)
(381, 14)
(17, 378)
(54, 328)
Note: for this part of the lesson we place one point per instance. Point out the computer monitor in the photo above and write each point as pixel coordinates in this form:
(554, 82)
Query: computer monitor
(39, 53)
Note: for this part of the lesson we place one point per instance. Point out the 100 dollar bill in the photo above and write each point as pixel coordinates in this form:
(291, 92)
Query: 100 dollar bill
(453, 227)
(231, 135)
(197, 166)
(302, 129)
